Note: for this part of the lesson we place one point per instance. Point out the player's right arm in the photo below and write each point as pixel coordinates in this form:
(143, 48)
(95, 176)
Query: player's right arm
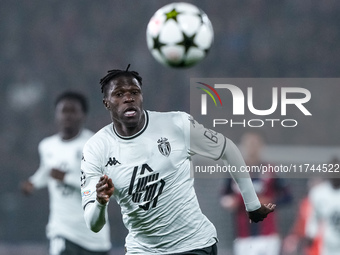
(96, 187)
(39, 178)
(96, 213)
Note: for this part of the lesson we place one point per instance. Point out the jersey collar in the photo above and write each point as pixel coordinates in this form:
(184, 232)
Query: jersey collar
(138, 133)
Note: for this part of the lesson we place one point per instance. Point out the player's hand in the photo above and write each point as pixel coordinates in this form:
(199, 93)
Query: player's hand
(27, 187)
(57, 174)
(105, 189)
(261, 213)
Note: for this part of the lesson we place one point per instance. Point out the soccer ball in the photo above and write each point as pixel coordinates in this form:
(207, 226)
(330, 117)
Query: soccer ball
(179, 35)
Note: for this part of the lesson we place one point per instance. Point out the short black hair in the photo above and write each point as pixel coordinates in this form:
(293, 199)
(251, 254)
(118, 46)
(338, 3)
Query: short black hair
(116, 73)
(74, 96)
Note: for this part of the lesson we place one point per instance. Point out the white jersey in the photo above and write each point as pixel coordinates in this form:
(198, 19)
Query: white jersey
(151, 175)
(66, 215)
(326, 210)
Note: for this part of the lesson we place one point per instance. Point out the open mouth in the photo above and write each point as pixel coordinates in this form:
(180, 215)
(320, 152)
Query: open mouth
(130, 112)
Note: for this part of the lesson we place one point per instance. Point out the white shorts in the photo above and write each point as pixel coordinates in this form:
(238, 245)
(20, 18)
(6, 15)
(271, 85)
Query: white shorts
(258, 245)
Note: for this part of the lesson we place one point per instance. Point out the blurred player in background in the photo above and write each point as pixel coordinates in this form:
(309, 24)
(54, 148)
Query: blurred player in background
(295, 243)
(325, 214)
(60, 157)
(142, 159)
(262, 238)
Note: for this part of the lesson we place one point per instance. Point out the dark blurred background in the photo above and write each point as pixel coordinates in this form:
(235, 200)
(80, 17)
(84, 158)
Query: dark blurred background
(47, 46)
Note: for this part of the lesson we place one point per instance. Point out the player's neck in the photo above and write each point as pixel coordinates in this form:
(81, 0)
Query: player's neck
(127, 130)
(69, 134)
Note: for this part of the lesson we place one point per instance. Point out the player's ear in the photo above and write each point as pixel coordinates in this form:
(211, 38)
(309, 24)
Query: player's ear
(106, 104)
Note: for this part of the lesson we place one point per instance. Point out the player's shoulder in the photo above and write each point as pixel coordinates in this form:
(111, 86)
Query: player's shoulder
(170, 115)
(178, 121)
(100, 137)
(49, 140)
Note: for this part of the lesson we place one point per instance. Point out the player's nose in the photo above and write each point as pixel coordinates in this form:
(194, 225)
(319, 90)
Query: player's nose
(129, 98)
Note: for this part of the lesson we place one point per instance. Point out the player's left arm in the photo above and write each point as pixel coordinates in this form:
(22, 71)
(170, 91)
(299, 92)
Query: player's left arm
(214, 145)
(256, 211)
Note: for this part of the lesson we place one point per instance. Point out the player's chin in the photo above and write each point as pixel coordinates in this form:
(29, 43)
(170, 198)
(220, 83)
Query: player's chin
(131, 122)
(68, 126)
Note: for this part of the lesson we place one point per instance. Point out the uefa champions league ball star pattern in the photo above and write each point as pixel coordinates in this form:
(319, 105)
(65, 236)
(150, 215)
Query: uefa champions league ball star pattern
(179, 35)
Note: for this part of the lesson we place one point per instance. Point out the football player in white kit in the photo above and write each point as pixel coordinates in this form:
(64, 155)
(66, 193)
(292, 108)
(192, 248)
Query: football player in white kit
(142, 159)
(325, 216)
(60, 157)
